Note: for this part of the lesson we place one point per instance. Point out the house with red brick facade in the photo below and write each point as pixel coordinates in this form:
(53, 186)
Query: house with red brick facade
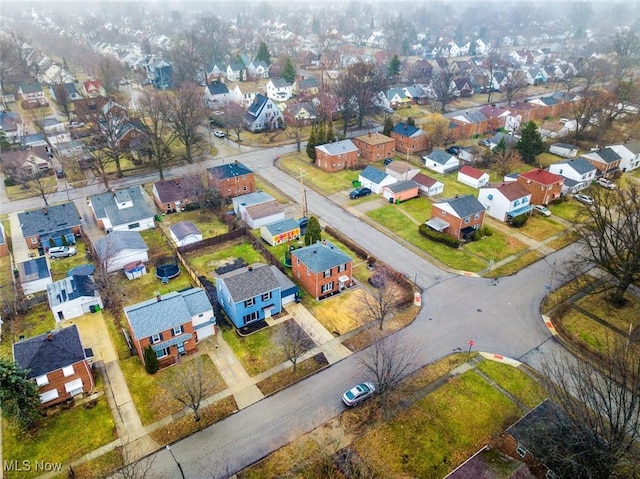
(174, 194)
(606, 160)
(526, 111)
(337, 156)
(4, 248)
(375, 146)
(470, 124)
(322, 269)
(458, 217)
(58, 364)
(409, 138)
(172, 324)
(43, 226)
(545, 187)
(231, 180)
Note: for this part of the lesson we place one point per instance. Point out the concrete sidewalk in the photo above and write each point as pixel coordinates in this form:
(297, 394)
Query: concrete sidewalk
(19, 247)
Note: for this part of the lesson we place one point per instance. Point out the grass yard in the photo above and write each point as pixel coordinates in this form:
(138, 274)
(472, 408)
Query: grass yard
(207, 222)
(17, 192)
(59, 267)
(540, 228)
(145, 287)
(299, 163)
(339, 314)
(546, 159)
(582, 329)
(280, 380)
(408, 230)
(269, 189)
(6, 281)
(452, 186)
(256, 351)
(151, 400)
(515, 265)
(619, 318)
(568, 210)
(115, 333)
(62, 437)
(417, 208)
(101, 466)
(206, 260)
(38, 320)
(157, 243)
(515, 381)
(439, 432)
(495, 247)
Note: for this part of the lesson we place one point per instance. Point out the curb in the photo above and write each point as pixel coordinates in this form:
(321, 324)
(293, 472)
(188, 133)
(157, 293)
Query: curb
(549, 324)
(501, 359)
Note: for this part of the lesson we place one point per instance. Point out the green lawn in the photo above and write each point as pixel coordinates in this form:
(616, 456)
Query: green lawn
(299, 163)
(38, 320)
(17, 192)
(152, 402)
(539, 227)
(515, 265)
(619, 318)
(256, 352)
(206, 220)
(495, 247)
(568, 210)
(408, 230)
(60, 266)
(592, 334)
(515, 381)
(205, 261)
(157, 243)
(65, 436)
(146, 287)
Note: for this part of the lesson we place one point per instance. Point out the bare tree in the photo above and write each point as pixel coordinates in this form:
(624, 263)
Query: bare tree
(443, 86)
(293, 341)
(190, 385)
(609, 239)
(493, 63)
(386, 362)
(347, 106)
(104, 253)
(295, 126)
(232, 118)
(100, 161)
(626, 45)
(110, 71)
(505, 161)
(187, 58)
(366, 82)
(63, 99)
(213, 38)
(380, 301)
(161, 135)
(514, 84)
(138, 469)
(186, 114)
(38, 182)
(600, 421)
(436, 127)
(592, 98)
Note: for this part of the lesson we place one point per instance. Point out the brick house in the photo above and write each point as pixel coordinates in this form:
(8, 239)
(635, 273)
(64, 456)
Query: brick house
(470, 124)
(606, 160)
(375, 146)
(322, 269)
(41, 226)
(172, 324)
(545, 187)
(458, 217)
(409, 138)
(526, 111)
(231, 180)
(58, 364)
(174, 194)
(337, 156)
(4, 247)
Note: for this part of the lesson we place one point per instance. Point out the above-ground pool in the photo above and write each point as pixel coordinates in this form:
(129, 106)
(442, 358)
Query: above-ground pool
(167, 271)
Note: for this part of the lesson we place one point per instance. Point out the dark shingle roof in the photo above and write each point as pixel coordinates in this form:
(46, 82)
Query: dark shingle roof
(182, 229)
(178, 189)
(402, 186)
(608, 155)
(373, 174)
(70, 288)
(440, 156)
(581, 165)
(49, 352)
(321, 256)
(117, 241)
(230, 170)
(218, 88)
(464, 205)
(405, 129)
(49, 220)
(244, 284)
(34, 269)
(174, 309)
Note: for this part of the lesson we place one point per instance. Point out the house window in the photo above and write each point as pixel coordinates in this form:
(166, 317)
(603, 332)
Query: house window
(251, 317)
(325, 288)
(133, 226)
(516, 202)
(177, 330)
(477, 216)
(308, 272)
(444, 213)
(34, 240)
(525, 200)
(49, 396)
(68, 371)
(42, 380)
(467, 220)
(266, 296)
(326, 273)
(156, 338)
(342, 267)
(521, 450)
(249, 302)
(161, 353)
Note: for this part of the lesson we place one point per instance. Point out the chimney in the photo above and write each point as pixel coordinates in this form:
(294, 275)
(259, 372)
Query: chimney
(49, 336)
(249, 268)
(45, 211)
(324, 242)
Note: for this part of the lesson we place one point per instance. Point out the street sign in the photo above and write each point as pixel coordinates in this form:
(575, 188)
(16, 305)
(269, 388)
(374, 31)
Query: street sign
(471, 343)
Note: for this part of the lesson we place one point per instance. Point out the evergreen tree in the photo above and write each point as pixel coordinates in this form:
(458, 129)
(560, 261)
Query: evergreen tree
(314, 231)
(321, 137)
(263, 54)
(311, 146)
(316, 25)
(393, 68)
(388, 126)
(289, 70)
(530, 144)
(331, 133)
(411, 121)
(501, 147)
(151, 362)
(18, 395)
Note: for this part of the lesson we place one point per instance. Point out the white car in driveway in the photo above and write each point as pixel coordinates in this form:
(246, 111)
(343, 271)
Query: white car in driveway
(358, 393)
(605, 183)
(543, 210)
(587, 200)
(219, 134)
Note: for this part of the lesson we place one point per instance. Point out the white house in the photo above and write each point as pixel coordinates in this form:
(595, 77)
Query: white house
(440, 161)
(564, 149)
(263, 114)
(629, 154)
(428, 186)
(216, 95)
(34, 275)
(505, 201)
(473, 177)
(262, 214)
(578, 173)
(122, 210)
(184, 233)
(73, 296)
(120, 248)
(279, 89)
(375, 179)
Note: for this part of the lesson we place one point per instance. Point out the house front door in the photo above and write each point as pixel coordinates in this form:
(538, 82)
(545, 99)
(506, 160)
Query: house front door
(181, 350)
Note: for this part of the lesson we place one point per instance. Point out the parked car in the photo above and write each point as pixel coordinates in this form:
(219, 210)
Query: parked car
(387, 161)
(358, 393)
(587, 200)
(543, 210)
(62, 252)
(605, 183)
(359, 193)
(59, 173)
(484, 142)
(219, 134)
(564, 120)
(453, 150)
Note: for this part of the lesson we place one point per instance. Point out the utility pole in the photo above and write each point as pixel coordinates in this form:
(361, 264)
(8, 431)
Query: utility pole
(303, 193)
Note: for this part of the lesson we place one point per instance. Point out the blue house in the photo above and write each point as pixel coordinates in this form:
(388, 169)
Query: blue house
(160, 74)
(254, 293)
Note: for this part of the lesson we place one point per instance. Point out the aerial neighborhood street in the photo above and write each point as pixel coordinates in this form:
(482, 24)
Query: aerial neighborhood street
(289, 247)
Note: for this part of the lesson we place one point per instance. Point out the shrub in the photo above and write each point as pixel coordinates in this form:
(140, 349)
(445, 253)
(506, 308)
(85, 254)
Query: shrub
(519, 221)
(151, 363)
(10, 182)
(481, 233)
(438, 237)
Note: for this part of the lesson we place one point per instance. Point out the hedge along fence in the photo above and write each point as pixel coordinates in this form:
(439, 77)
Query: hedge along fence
(356, 248)
(438, 237)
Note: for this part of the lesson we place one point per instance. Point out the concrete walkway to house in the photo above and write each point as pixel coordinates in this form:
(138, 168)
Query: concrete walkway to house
(238, 381)
(19, 247)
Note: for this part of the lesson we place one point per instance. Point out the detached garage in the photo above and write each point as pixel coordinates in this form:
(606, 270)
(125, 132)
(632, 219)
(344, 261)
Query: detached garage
(184, 233)
(280, 232)
(73, 296)
(400, 191)
(119, 248)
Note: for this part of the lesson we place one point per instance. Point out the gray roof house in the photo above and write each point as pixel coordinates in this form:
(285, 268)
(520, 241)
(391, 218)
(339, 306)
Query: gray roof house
(34, 275)
(440, 161)
(172, 324)
(119, 248)
(73, 296)
(39, 227)
(322, 268)
(375, 179)
(184, 233)
(122, 210)
(262, 114)
(578, 173)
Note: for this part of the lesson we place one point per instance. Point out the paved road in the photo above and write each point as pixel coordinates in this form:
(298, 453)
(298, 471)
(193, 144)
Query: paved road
(500, 317)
